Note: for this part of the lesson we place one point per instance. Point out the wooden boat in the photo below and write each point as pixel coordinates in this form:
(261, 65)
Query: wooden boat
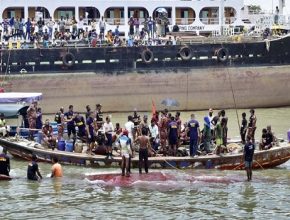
(23, 149)
(4, 177)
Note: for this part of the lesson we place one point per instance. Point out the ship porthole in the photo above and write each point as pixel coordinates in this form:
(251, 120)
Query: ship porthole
(185, 53)
(147, 56)
(68, 59)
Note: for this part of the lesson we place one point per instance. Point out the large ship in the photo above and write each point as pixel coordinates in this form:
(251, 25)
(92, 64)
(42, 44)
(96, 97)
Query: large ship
(216, 72)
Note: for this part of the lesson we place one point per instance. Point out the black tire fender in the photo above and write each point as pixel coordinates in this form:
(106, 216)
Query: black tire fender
(68, 59)
(222, 55)
(147, 56)
(185, 53)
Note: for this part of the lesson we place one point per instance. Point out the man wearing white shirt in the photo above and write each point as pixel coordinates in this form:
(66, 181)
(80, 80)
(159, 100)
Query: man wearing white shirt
(108, 129)
(129, 126)
(80, 27)
(154, 135)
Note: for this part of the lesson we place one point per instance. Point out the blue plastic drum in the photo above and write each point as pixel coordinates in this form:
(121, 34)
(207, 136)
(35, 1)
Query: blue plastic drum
(61, 145)
(69, 146)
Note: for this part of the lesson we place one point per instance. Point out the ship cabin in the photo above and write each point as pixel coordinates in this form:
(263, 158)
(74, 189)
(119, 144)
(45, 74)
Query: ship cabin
(202, 16)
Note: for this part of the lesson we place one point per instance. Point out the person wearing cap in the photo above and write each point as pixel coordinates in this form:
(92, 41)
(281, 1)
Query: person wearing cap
(33, 172)
(4, 163)
(126, 152)
(4, 129)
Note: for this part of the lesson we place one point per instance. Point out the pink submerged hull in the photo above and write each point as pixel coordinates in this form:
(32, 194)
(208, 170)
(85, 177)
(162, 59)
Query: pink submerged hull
(115, 179)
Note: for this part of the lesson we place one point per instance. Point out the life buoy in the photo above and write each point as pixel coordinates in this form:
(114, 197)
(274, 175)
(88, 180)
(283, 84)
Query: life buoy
(185, 53)
(147, 56)
(68, 59)
(222, 55)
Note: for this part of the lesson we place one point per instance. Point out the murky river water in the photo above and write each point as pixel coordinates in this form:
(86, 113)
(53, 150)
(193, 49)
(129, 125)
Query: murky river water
(214, 195)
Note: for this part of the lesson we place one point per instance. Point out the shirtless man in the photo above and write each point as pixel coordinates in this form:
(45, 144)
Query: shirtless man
(163, 132)
(31, 114)
(145, 145)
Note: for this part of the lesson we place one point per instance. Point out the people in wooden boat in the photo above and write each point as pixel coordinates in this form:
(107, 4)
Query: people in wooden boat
(252, 125)
(90, 131)
(48, 138)
(31, 115)
(211, 116)
(88, 111)
(144, 124)
(243, 129)
(194, 135)
(126, 152)
(173, 135)
(59, 116)
(144, 149)
(154, 135)
(33, 172)
(4, 128)
(69, 119)
(267, 140)
(136, 120)
(249, 149)
(207, 135)
(218, 137)
(56, 169)
(179, 123)
(108, 129)
(4, 163)
(272, 136)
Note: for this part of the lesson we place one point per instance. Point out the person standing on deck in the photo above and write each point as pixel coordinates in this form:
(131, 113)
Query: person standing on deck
(207, 135)
(129, 126)
(4, 163)
(154, 135)
(33, 172)
(126, 152)
(90, 132)
(173, 136)
(69, 118)
(145, 146)
(219, 136)
(194, 134)
(99, 115)
(88, 111)
(109, 128)
(39, 122)
(56, 169)
(224, 120)
(252, 125)
(136, 120)
(211, 117)
(31, 115)
(249, 149)
(59, 118)
(163, 132)
(243, 130)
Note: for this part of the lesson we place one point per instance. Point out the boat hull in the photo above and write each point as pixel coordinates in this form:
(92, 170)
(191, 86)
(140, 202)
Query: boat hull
(262, 159)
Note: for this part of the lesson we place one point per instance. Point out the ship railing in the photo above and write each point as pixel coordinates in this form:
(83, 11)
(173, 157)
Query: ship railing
(184, 21)
(210, 21)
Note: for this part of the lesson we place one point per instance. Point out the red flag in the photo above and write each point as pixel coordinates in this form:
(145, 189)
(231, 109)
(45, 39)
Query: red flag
(153, 109)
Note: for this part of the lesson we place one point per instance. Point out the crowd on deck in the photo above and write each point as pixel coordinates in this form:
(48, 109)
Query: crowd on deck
(92, 32)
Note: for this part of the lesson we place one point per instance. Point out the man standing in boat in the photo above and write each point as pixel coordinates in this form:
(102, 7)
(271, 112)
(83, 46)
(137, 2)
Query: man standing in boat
(4, 163)
(90, 132)
(249, 149)
(252, 125)
(69, 119)
(243, 130)
(126, 152)
(145, 146)
(99, 115)
(31, 115)
(136, 121)
(194, 134)
(173, 135)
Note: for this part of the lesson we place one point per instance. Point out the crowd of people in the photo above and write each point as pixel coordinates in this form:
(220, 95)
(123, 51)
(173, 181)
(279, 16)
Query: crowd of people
(163, 134)
(92, 32)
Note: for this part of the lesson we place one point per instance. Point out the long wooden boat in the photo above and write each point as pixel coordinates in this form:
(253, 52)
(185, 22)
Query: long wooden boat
(23, 148)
